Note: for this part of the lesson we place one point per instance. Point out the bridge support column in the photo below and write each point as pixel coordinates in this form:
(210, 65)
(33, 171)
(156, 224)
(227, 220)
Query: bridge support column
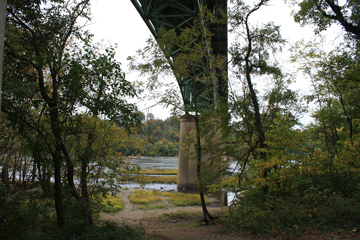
(187, 175)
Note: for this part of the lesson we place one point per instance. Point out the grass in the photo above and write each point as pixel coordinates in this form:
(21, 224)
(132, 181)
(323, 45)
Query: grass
(112, 204)
(160, 179)
(183, 199)
(143, 197)
(151, 206)
(146, 200)
(159, 171)
(170, 176)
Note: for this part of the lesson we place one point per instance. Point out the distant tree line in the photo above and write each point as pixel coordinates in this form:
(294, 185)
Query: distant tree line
(158, 138)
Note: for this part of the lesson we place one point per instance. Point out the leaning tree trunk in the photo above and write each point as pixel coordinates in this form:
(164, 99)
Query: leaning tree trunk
(207, 216)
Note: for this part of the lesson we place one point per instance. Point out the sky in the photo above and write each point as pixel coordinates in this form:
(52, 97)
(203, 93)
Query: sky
(118, 21)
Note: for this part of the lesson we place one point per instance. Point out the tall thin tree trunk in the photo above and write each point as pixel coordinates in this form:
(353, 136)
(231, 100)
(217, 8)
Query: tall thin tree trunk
(57, 160)
(5, 173)
(207, 216)
(60, 214)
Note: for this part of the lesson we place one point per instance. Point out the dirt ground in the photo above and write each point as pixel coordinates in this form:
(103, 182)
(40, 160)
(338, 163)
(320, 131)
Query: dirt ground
(175, 223)
(166, 224)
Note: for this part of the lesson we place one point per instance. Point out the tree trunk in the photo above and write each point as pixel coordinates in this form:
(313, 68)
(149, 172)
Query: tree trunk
(207, 216)
(5, 173)
(57, 160)
(58, 188)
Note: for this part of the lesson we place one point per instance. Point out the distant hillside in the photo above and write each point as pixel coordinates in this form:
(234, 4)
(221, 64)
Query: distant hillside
(159, 137)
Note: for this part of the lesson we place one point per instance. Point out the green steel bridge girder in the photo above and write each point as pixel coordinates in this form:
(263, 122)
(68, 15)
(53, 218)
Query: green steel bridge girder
(179, 14)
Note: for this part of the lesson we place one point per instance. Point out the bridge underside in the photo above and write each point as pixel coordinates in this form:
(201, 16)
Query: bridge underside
(178, 15)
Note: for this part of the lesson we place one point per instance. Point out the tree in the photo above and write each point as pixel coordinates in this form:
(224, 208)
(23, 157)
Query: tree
(194, 62)
(251, 58)
(334, 77)
(323, 13)
(53, 71)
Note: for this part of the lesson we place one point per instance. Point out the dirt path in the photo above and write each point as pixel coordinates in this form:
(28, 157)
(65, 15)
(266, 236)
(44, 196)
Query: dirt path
(184, 223)
(170, 223)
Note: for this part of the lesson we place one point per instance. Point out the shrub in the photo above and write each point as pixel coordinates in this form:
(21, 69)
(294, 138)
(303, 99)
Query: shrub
(104, 231)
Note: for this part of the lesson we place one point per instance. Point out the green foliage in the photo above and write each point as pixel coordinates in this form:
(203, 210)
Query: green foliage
(25, 213)
(308, 189)
(156, 138)
(105, 231)
(29, 215)
(57, 84)
(292, 179)
(324, 13)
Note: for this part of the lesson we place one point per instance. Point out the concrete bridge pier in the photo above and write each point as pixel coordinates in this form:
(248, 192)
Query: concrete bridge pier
(187, 175)
(187, 165)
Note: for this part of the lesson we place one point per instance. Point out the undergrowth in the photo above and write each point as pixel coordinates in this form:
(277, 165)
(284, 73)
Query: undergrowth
(315, 210)
(29, 215)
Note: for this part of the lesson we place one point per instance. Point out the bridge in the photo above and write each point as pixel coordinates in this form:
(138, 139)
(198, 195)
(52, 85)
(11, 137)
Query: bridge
(177, 15)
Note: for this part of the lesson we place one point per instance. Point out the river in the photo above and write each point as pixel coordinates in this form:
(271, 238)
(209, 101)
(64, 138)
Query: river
(156, 162)
(163, 163)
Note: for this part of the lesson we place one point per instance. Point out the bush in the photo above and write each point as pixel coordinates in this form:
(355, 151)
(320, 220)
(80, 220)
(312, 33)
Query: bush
(25, 214)
(313, 208)
(105, 231)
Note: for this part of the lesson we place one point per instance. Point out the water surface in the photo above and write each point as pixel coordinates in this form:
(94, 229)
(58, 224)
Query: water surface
(156, 162)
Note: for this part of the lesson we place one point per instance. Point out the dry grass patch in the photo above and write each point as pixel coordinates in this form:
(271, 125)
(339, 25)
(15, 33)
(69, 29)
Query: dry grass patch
(143, 197)
(146, 200)
(112, 204)
(160, 179)
(151, 206)
(159, 171)
(183, 199)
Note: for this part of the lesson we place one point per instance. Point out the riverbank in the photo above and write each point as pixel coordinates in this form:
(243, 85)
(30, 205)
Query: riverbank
(175, 223)
(171, 222)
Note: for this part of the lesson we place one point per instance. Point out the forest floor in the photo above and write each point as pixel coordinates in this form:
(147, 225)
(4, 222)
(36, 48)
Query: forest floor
(185, 223)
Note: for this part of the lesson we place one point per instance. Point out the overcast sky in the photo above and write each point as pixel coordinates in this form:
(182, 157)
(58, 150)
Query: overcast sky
(119, 22)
